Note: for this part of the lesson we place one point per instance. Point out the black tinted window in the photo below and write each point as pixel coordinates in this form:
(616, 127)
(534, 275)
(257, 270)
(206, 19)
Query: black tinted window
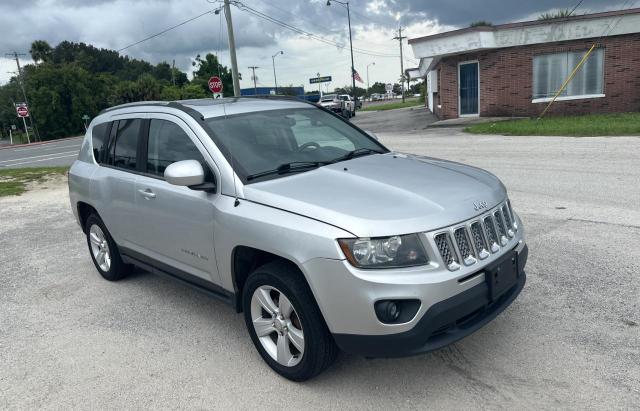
(99, 139)
(127, 144)
(168, 143)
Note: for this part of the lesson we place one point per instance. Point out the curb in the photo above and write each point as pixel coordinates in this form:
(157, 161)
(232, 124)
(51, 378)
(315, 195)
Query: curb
(37, 143)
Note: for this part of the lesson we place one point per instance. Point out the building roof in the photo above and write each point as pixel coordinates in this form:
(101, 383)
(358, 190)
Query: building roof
(605, 14)
(429, 49)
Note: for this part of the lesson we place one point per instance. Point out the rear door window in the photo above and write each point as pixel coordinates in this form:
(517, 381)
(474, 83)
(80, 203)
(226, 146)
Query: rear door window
(126, 144)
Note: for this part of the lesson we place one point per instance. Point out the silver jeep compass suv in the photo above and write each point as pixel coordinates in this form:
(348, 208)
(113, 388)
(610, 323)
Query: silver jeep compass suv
(320, 235)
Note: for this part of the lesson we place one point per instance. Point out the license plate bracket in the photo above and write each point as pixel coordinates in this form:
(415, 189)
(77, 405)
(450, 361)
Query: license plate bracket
(502, 276)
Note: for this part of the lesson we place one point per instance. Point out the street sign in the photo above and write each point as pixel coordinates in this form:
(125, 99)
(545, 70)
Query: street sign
(22, 110)
(215, 85)
(388, 87)
(323, 79)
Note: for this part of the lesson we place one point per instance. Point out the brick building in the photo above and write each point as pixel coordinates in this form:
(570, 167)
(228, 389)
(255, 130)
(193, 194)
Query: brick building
(515, 69)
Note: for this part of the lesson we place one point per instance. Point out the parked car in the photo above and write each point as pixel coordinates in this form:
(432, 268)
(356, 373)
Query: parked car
(321, 236)
(341, 104)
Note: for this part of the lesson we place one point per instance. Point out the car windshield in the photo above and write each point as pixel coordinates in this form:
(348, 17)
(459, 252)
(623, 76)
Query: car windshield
(281, 140)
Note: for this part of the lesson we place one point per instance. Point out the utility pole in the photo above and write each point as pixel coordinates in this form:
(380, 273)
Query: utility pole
(400, 37)
(16, 57)
(254, 78)
(173, 73)
(232, 50)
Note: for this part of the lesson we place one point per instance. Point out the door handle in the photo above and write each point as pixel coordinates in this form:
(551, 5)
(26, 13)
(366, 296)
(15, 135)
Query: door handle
(148, 194)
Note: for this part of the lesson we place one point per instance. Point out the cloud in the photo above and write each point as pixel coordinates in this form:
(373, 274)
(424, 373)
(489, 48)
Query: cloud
(117, 23)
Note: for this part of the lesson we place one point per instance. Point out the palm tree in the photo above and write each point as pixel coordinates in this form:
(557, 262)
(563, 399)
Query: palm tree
(40, 51)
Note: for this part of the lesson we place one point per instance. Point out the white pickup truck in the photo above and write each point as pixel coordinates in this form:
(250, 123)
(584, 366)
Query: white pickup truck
(342, 104)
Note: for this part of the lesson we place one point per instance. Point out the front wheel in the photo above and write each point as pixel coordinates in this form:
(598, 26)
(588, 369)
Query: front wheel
(285, 323)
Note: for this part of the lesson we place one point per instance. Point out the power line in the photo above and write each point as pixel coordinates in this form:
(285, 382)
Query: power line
(310, 35)
(169, 29)
(575, 7)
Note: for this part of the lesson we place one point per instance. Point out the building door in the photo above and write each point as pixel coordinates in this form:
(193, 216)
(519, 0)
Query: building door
(469, 88)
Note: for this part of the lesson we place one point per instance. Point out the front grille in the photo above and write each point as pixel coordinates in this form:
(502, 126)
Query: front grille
(446, 250)
(507, 219)
(477, 239)
(464, 245)
(500, 224)
(491, 230)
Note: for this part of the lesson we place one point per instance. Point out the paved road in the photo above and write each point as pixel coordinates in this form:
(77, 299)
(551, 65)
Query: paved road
(55, 153)
(69, 339)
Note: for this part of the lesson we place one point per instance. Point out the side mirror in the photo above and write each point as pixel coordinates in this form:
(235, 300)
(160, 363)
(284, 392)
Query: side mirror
(372, 134)
(184, 173)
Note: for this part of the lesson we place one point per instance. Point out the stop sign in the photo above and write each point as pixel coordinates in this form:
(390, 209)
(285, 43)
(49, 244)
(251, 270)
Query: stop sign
(215, 84)
(22, 111)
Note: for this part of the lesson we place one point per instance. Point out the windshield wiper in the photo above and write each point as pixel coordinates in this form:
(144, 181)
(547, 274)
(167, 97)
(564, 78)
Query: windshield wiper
(356, 153)
(288, 168)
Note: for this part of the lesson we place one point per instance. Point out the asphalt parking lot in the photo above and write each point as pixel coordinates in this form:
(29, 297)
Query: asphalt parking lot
(69, 339)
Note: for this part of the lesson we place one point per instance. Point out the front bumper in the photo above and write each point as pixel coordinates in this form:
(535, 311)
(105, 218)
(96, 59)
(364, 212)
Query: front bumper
(444, 323)
(453, 304)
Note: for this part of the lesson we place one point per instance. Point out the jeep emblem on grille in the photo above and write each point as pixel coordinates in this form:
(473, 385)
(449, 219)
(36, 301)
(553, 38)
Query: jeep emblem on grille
(479, 205)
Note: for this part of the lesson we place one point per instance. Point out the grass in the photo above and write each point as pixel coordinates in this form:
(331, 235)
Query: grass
(13, 181)
(625, 124)
(391, 106)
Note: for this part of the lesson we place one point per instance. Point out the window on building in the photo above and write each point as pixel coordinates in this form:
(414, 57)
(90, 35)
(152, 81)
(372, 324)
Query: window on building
(550, 71)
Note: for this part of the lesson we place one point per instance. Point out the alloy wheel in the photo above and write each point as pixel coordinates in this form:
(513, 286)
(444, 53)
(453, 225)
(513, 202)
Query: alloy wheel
(277, 325)
(100, 247)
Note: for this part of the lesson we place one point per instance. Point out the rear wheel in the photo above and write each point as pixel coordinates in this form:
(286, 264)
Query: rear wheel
(285, 323)
(103, 250)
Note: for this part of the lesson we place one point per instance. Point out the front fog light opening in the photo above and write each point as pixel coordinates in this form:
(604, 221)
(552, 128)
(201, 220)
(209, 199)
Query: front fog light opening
(396, 311)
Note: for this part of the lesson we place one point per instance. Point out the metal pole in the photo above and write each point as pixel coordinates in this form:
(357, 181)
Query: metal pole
(353, 70)
(232, 50)
(373, 63)
(275, 79)
(10, 137)
(273, 59)
(255, 88)
(26, 130)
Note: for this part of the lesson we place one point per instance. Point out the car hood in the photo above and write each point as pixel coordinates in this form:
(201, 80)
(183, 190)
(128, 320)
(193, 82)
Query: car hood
(383, 194)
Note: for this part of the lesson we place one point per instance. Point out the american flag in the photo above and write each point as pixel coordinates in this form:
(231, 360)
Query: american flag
(356, 76)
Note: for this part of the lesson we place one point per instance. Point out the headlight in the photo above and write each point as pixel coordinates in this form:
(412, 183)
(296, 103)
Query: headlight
(386, 252)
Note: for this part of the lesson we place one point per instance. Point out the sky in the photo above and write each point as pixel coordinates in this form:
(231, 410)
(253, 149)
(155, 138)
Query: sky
(115, 24)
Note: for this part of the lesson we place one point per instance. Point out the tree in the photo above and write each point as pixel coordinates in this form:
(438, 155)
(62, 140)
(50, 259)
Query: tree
(210, 66)
(377, 88)
(40, 51)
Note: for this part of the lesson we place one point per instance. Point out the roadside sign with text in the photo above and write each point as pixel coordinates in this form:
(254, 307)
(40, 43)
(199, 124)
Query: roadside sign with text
(215, 85)
(22, 110)
(388, 87)
(323, 79)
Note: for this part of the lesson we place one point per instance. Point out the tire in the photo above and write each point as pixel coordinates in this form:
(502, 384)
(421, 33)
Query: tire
(104, 251)
(353, 114)
(277, 279)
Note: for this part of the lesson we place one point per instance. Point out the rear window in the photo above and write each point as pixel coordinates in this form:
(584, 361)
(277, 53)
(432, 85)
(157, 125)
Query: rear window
(99, 139)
